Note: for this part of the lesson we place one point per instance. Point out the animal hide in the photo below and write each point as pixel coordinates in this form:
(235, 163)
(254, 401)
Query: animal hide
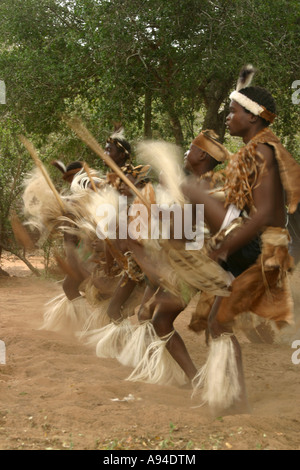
(264, 287)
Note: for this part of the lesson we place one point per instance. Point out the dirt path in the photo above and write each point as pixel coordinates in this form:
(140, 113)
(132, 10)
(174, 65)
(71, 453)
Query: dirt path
(56, 394)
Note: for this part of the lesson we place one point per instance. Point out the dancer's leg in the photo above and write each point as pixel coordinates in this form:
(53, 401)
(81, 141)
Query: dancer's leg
(166, 312)
(71, 288)
(122, 293)
(146, 308)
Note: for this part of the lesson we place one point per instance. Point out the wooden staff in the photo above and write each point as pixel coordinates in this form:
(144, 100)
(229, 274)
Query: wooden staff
(20, 232)
(65, 267)
(29, 146)
(76, 125)
(87, 170)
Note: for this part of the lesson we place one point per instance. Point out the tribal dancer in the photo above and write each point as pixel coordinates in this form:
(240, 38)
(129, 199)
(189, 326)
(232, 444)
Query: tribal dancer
(119, 150)
(108, 288)
(260, 179)
(73, 172)
(86, 290)
(109, 340)
(248, 238)
(166, 359)
(49, 215)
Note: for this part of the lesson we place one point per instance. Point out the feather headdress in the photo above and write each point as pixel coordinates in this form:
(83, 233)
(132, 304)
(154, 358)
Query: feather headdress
(68, 171)
(59, 165)
(245, 77)
(118, 137)
(118, 134)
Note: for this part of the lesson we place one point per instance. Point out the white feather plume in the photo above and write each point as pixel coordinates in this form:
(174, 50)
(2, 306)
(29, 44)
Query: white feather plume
(84, 206)
(245, 77)
(40, 205)
(167, 160)
(81, 180)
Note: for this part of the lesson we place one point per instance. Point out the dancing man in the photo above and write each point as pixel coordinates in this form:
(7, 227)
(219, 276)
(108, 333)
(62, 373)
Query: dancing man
(258, 182)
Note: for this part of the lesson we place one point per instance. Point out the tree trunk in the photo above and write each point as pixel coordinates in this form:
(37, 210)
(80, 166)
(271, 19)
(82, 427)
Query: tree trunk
(215, 120)
(177, 129)
(176, 125)
(216, 94)
(22, 258)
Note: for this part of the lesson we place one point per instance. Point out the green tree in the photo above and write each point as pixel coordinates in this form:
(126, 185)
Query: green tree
(13, 166)
(162, 69)
(152, 65)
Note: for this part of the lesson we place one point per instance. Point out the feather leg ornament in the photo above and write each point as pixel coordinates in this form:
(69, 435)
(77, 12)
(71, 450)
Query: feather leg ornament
(111, 339)
(135, 348)
(98, 319)
(62, 314)
(157, 366)
(217, 380)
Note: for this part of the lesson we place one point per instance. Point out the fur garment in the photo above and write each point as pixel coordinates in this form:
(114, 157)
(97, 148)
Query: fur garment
(268, 282)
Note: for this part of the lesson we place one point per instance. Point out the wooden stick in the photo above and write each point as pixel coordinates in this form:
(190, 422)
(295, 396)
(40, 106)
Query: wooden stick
(65, 267)
(87, 137)
(87, 170)
(29, 146)
(21, 234)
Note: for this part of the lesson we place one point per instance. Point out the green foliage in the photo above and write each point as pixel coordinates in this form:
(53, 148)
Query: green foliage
(13, 165)
(162, 69)
(185, 56)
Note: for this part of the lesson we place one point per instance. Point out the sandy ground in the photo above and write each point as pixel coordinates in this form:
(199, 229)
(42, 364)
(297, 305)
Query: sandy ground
(56, 394)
